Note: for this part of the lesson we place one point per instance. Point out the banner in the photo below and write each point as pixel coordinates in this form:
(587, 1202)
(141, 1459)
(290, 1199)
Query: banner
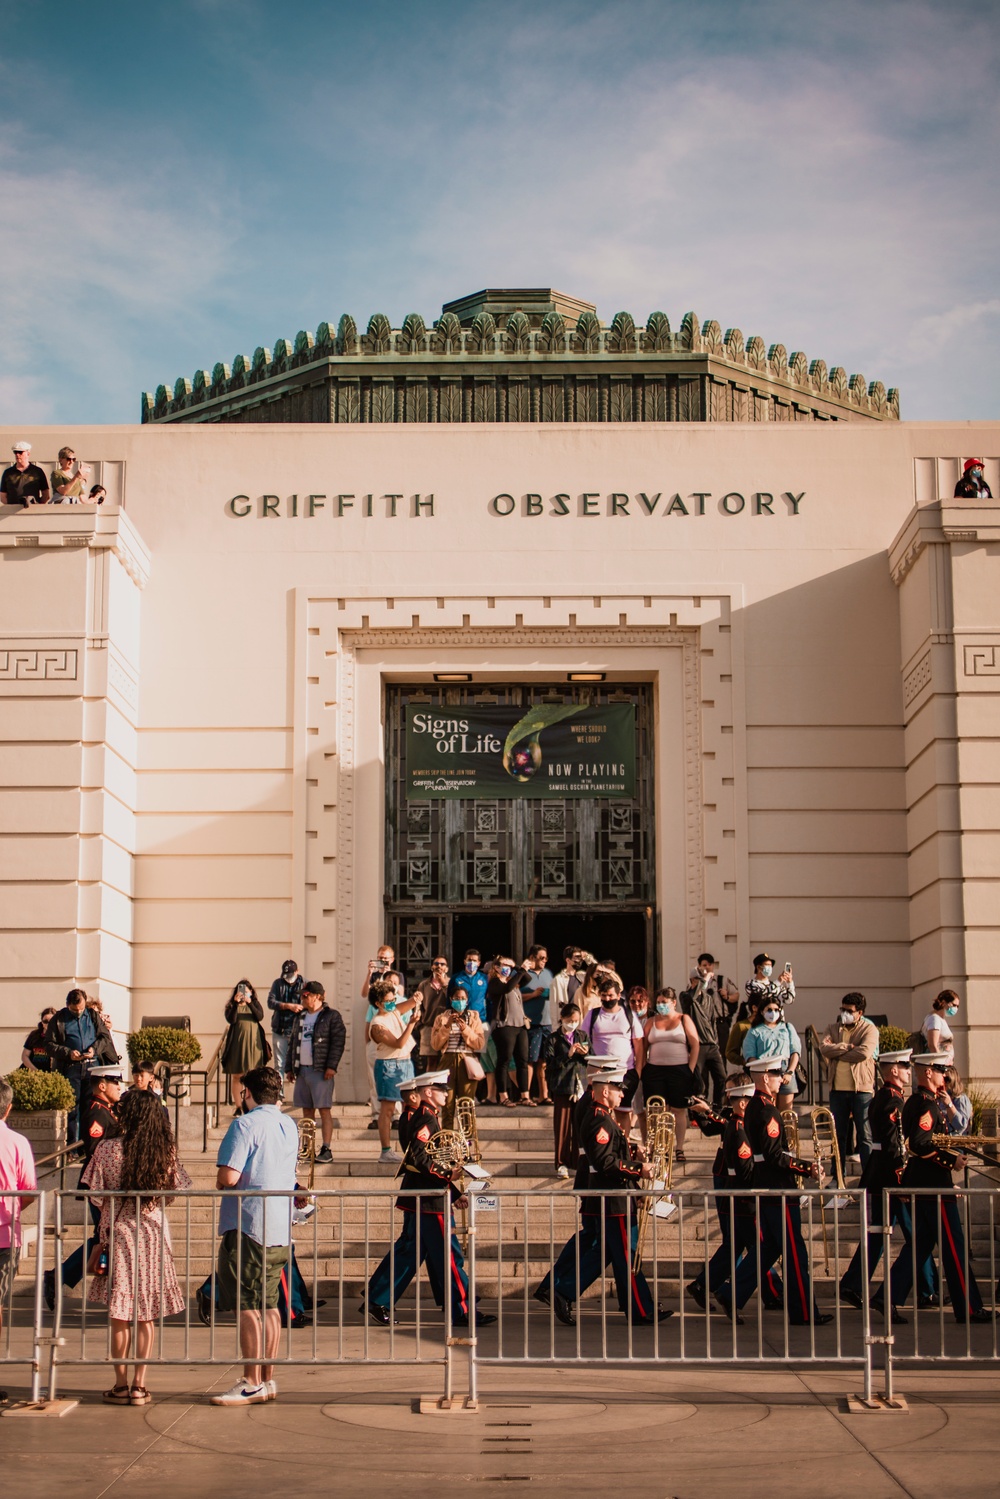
(552, 750)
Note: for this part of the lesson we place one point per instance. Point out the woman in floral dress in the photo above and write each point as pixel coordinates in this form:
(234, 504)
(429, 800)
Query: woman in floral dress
(141, 1283)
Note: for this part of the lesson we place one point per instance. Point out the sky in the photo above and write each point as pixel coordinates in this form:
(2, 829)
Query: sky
(184, 182)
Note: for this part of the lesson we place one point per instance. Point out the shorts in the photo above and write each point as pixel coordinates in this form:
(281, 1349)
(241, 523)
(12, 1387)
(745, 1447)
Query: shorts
(260, 1269)
(536, 1040)
(312, 1089)
(389, 1078)
(674, 1085)
(9, 1257)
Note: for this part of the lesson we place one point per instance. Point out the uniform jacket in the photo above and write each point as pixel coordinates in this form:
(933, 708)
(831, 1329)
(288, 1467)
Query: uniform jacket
(419, 1172)
(105, 1054)
(611, 1161)
(927, 1166)
(329, 1039)
(774, 1166)
(737, 1165)
(99, 1123)
(884, 1166)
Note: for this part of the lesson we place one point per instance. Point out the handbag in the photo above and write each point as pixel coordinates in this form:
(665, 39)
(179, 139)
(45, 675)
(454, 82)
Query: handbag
(474, 1070)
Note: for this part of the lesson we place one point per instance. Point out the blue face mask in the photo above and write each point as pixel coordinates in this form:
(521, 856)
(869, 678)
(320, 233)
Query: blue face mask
(471, 966)
(664, 1009)
(504, 973)
(459, 1004)
(389, 1006)
(951, 1010)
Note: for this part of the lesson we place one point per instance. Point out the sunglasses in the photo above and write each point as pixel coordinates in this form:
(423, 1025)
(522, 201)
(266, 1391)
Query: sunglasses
(774, 1071)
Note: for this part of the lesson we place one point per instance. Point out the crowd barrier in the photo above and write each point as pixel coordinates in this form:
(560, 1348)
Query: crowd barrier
(509, 1241)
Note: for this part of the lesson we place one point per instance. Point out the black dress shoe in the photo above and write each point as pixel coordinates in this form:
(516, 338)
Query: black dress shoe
(373, 1124)
(204, 1307)
(729, 1311)
(878, 1305)
(927, 1303)
(980, 1315)
(483, 1319)
(696, 1290)
(851, 1298)
(301, 1319)
(380, 1314)
(818, 1319)
(542, 1295)
(564, 1310)
(662, 1314)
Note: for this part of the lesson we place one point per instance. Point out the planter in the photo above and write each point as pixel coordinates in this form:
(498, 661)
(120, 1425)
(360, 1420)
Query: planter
(45, 1129)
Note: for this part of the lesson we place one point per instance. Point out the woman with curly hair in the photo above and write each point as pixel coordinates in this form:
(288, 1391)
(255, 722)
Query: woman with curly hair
(140, 1283)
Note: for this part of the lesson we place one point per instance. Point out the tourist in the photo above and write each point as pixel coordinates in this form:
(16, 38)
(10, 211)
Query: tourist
(955, 1104)
(132, 1264)
(637, 1003)
(284, 1000)
(434, 995)
(972, 485)
(509, 1030)
(615, 1034)
(260, 1151)
(68, 478)
(76, 1040)
(458, 1039)
(764, 986)
(378, 967)
(565, 1055)
(391, 1030)
(535, 987)
(567, 981)
(315, 1048)
(850, 1046)
(936, 1030)
(473, 980)
(24, 483)
(747, 1015)
(100, 1123)
(771, 1035)
(710, 1003)
(671, 1069)
(98, 494)
(34, 1054)
(245, 1045)
(17, 1174)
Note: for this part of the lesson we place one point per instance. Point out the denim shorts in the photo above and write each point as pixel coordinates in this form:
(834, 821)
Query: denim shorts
(389, 1077)
(536, 1040)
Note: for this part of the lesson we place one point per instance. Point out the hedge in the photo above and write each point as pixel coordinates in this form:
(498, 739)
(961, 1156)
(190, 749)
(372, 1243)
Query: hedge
(162, 1043)
(37, 1091)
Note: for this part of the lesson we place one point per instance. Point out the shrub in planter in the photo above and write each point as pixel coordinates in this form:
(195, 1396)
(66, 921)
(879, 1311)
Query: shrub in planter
(892, 1038)
(39, 1092)
(162, 1043)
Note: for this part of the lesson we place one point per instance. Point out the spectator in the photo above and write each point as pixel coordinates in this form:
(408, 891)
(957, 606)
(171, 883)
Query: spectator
(588, 994)
(260, 1152)
(567, 981)
(955, 1104)
(378, 967)
(315, 1048)
(772, 1035)
(285, 1002)
(473, 980)
(145, 1080)
(747, 1016)
(100, 1123)
(972, 485)
(35, 1056)
(24, 483)
(17, 1174)
(850, 1046)
(245, 1046)
(141, 1284)
(434, 994)
(935, 1028)
(710, 1003)
(763, 986)
(98, 494)
(614, 1032)
(391, 1029)
(535, 987)
(637, 1001)
(458, 1039)
(509, 1029)
(565, 1054)
(68, 478)
(77, 1039)
(671, 1070)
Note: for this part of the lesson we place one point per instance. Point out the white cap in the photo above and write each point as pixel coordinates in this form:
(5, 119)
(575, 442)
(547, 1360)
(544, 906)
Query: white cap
(599, 1062)
(22, 447)
(110, 1074)
(745, 1090)
(613, 1075)
(934, 1059)
(430, 1080)
(887, 1058)
(765, 1064)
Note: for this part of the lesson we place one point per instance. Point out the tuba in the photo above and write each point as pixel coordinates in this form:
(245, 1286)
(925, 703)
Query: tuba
(467, 1126)
(307, 1148)
(660, 1145)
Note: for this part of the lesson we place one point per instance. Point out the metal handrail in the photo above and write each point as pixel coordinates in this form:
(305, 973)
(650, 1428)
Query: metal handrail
(815, 1071)
(60, 1156)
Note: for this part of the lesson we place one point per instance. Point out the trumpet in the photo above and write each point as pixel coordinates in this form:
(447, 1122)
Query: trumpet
(661, 1142)
(824, 1131)
(468, 1127)
(307, 1148)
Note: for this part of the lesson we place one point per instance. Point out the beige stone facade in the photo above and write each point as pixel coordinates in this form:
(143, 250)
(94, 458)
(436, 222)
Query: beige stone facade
(193, 679)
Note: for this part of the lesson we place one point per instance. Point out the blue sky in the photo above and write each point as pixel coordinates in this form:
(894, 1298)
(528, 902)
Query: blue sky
(185, 182)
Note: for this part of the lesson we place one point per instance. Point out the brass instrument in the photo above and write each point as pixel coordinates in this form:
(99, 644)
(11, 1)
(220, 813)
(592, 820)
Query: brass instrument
(824, 1132)
(307, 1148)
(984, 1147)
(467, 1126)
(449, 1150)
(661, 1142)
(790, 1120)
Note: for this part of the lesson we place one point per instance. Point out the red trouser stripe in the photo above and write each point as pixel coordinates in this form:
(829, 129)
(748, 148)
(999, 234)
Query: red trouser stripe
(806, 1309)
(633, 1283)
(446, 1246)
(946, 1226)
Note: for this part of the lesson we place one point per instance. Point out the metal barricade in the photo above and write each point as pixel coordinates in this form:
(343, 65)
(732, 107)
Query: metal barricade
(21, 1337)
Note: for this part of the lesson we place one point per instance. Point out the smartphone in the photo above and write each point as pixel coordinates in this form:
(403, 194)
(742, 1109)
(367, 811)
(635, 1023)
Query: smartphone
(787, 968)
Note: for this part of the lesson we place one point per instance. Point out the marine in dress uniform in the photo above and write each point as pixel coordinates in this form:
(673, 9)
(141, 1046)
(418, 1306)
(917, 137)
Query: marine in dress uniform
(928, 1165)
(100, 1122)
(882, 1173)
(608, 1226)
(775, 1170)
(423, 1233)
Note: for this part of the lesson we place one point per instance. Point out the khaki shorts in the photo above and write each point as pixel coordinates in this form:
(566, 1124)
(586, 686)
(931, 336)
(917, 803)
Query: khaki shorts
(260, 1268)
(8, 1269)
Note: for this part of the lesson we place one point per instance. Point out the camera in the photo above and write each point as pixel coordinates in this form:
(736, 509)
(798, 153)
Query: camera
(587, 960)
(379, 965)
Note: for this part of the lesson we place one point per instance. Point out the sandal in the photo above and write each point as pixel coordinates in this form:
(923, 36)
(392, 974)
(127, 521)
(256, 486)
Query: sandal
(507, 1103)
(680, 1157)
(119, 1395)
(527, 1103)
(139, 1395)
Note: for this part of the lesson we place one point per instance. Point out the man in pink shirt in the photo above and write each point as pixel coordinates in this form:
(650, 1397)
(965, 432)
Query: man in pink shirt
(17, 1174)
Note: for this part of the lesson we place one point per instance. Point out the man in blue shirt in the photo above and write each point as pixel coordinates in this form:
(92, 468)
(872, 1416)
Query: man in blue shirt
(76, 1040)
(473, 980)
(259, 1152)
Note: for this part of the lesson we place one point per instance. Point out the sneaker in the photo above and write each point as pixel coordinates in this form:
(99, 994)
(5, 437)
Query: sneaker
(243, 1393)
(49, 1289)
(563, 1171)
(324, 1156)
(271, 1386)
(387, 1158)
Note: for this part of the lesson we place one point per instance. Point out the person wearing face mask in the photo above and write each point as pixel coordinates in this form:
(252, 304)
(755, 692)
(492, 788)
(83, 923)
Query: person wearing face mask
(473, 980)
(458, 1037)
(849, 1047)
(936, 1030)
(509, 1030)
(285, 1002)
(710, 1003)
(774, 1036)
(671, 1070)
(972, 485)
(565, 1054)
(615, 1033)
(391, 1029)
(764, 986)
(245, 1045)
(637, 1000)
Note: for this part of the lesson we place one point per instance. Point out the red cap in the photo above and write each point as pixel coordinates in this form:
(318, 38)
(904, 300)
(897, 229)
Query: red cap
(972, 463)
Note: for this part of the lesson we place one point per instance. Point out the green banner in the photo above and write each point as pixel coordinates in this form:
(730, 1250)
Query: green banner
(552, 750)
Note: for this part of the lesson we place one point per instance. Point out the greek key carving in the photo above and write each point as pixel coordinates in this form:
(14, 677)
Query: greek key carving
(982, 660)
(37, 664)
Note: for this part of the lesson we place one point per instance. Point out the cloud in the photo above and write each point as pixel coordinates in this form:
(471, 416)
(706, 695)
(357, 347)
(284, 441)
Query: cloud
(931, 335)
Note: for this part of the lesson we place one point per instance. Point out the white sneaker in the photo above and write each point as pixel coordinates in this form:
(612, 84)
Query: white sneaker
(389, 1158)
(243, 1394)
(271, 1386)
(563, 1171)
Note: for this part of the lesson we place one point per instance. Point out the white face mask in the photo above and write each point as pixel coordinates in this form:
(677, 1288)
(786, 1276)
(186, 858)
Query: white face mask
(772, 1015)
(766, 971)
(848, 1018)
(569, 1026)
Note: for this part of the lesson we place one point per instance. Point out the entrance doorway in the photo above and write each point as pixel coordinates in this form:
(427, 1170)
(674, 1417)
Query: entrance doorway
(620, 935)
(491, 931)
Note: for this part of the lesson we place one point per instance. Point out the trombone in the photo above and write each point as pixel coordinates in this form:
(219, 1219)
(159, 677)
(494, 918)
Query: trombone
(824, 1132)
(307, 1148)
(661, 1141)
